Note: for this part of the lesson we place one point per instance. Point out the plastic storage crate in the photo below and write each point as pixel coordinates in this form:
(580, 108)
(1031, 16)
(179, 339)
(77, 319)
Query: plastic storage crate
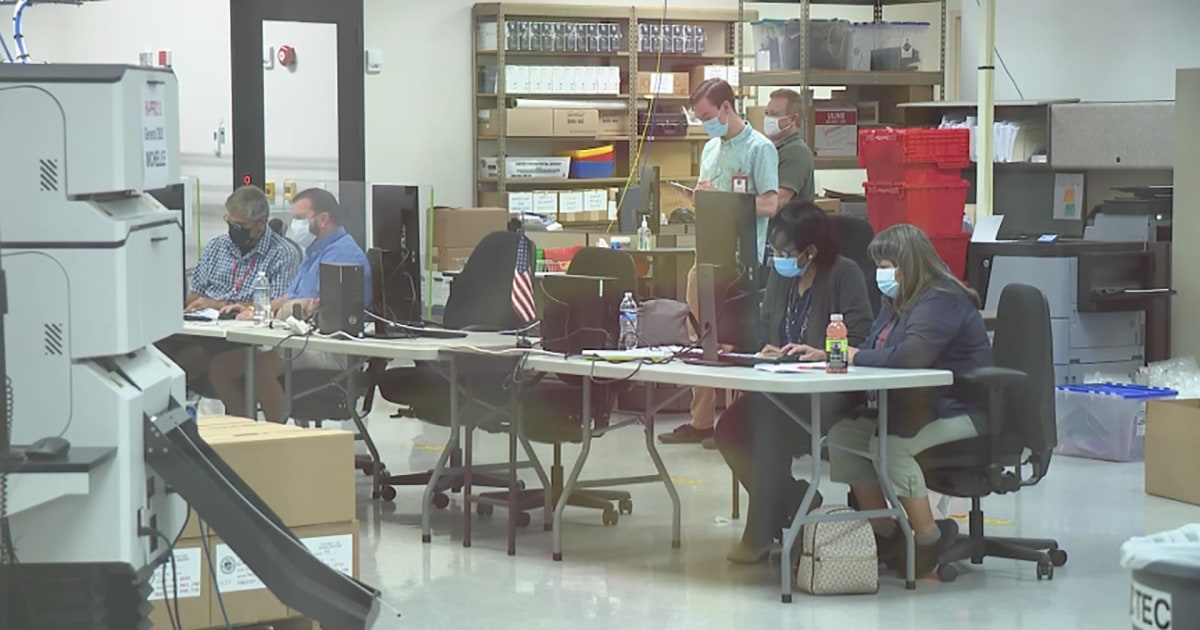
(777, 44)
(1104, 421)
(914, 156)
(937, 208)
(953, 251)
(592, 169)
(887, 46)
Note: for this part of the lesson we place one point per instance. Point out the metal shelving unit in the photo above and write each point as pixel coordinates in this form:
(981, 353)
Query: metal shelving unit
(630, 60)
(890, 87)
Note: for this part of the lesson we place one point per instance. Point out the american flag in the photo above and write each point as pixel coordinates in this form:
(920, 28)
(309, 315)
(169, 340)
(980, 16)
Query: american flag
(522, 287)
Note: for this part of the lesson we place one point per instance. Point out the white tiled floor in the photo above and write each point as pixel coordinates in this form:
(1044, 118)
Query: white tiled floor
(628, 576)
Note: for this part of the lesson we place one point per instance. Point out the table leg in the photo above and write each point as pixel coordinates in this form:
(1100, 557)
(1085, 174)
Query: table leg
(468, 459)
(251, 384)
(569, 486)
(443, 459)
(288, 356)
(792, 533)
(514, 427)
(676, 514)
(910, 581)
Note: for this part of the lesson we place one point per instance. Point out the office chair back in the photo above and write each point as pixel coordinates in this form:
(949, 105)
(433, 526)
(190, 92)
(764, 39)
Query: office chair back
(612, 263)
(481, 296)
(854, 234)
(1022, 342)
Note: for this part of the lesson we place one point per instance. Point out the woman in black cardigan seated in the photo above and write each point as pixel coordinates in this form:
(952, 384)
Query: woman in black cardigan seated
(928, 320)
(809, 282)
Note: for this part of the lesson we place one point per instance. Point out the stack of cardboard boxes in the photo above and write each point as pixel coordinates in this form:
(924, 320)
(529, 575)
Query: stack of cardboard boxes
(307, 478)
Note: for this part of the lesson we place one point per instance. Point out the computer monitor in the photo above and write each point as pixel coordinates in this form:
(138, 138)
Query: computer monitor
(727, 240)
(395, 239)
(579, 313)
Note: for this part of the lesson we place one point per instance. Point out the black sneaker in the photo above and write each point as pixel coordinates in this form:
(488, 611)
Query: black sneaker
(890, 549)
(927, 555)
(685, 434)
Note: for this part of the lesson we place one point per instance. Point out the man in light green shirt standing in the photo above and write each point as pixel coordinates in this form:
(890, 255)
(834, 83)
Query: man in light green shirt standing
(782, 125)
(736, 159)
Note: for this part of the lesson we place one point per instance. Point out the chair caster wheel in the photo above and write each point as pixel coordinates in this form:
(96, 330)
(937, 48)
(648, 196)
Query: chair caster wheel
(947, 572)
(1058, 557)
(1045, 571)
(611, 517)
(387, 493)
(625, 506)
(520, 484)
(484, 509)
(524, 519)
(441, 500)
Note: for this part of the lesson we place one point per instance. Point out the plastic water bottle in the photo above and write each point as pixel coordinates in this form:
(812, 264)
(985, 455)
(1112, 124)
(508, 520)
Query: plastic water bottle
(629, 322)
(262, 299)
(837, 346)
(645, 236)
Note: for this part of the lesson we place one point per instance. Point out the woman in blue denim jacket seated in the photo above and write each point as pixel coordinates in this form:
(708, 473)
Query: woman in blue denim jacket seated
(928, 320)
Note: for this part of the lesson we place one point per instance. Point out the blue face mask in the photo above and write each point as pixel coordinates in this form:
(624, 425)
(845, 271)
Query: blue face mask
(788, 267)
(885, 279)
(715, 128)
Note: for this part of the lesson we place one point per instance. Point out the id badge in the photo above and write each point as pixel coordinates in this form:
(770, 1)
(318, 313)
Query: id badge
(741, 184)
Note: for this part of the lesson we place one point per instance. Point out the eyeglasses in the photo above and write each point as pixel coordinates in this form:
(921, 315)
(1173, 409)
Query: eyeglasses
(242, 223)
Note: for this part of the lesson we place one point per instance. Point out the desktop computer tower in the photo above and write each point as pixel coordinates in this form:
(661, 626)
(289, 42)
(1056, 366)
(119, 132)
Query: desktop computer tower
(341, 307)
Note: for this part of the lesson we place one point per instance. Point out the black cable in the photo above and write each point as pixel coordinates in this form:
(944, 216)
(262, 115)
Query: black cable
(212, 573)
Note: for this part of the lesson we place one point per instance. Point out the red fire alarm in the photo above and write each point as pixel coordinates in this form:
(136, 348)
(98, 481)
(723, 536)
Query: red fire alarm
(287, 56)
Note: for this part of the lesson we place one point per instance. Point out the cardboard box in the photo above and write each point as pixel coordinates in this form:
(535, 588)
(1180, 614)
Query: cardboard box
(836, 130)
(701, 74)
(465, 227)
(521, 122)
(552, 240)
(335, 544)
(1172, 442)
(576, 122)
(194, 587)
(450, 258)
(305, 476)
(670, 83)
(832, 206)
(673, 159)
(612, 123)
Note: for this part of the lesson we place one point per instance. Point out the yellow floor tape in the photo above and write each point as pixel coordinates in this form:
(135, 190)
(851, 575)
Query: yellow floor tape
(433, 448)
(986, 520)
(685, 481)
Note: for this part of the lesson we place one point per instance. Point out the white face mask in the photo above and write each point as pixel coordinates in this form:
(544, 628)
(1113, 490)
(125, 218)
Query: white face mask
(300, 234)
(771, 126)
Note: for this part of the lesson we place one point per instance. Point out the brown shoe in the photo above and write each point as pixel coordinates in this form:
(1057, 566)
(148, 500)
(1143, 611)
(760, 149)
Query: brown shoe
(685, 434)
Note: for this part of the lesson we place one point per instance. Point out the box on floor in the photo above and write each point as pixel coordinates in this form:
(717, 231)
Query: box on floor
(1172, 443)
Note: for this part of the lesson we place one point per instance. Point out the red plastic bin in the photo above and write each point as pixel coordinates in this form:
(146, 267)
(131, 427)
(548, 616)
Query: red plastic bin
(914, 156)
(935, 208)
(953, 251)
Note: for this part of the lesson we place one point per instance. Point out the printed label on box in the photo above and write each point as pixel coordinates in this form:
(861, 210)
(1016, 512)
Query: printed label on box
(545, 202)
(337, 552)
(595, 200)
(836, 116)
(233, 575)
(190, 579)
(570, 202)
(662, 83)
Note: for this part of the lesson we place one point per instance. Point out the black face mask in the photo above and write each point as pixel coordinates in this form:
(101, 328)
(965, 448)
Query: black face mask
(241, 238)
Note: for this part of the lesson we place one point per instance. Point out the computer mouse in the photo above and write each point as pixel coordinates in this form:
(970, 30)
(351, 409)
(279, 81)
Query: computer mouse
(48, 448)
(228, 315)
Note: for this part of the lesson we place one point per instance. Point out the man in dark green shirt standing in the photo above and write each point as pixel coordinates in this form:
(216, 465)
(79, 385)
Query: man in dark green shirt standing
(782, 126)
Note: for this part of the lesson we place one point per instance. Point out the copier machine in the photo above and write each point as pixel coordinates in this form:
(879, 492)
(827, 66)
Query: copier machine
(94, 279)
(1108, 293)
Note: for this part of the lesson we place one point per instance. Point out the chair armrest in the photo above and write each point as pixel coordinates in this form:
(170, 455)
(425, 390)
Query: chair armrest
(992, 377)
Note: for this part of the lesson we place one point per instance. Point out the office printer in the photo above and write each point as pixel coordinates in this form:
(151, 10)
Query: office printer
(1109, 301)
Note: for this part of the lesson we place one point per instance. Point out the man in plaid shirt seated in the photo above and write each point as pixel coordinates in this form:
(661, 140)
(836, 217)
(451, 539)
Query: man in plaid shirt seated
(227, 272)
(332, 245)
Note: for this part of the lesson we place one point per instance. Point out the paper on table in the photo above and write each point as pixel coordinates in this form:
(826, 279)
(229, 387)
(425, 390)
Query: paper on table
(1068, 195)
(635, 354)
(986, 228)
(208, 314)
(792, 368)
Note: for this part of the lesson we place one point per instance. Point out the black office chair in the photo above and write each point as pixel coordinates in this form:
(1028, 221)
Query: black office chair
(854, 234)
(1020, 397)
(480, 300)
(551, 408)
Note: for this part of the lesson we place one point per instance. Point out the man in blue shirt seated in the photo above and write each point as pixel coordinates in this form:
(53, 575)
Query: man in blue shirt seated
(332, 245)
(228, 271)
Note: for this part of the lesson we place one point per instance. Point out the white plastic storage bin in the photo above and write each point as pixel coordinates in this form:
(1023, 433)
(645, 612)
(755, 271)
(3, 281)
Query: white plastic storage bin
(1104, 421)
(899, 46)
(526, 167)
